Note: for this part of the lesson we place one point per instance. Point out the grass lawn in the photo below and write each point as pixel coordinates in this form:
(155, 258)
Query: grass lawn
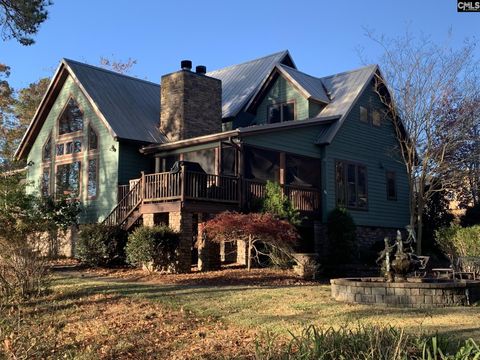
(124, 314)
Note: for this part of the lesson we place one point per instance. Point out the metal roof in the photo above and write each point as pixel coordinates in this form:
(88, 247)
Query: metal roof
(130, 105)
(312, 86)
(240, 82)
(344, 89)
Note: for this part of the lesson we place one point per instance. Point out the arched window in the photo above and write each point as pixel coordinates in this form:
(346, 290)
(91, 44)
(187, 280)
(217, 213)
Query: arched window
(71, 119)
(47, 149)
(92, 139)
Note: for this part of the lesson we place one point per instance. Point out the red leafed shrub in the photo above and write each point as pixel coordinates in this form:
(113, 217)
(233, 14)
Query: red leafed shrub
(263, 232)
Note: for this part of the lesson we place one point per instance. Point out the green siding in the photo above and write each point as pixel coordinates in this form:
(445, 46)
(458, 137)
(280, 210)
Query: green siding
(297, 141)
(282, 91)
(93, 209)
(132, 162)
(372, 146)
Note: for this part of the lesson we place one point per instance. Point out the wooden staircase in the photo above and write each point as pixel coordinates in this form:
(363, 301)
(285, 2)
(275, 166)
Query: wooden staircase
(127, 211)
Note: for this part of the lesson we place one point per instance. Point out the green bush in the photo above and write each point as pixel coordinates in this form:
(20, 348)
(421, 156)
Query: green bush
(365, 343)
(458, 241)
(472, 216)
(154, 247)
(276, 203)
(101, 245)
(341, 232)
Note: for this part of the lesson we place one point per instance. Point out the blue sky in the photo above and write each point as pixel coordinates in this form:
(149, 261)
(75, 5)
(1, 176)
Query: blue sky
(322, 36)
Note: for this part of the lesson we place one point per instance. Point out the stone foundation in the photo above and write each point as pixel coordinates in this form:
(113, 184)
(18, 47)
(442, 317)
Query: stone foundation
(429, 293)
(208, 251)
(60, 244)
(183, 223)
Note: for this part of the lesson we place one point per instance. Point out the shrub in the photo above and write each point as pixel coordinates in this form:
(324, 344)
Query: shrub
(363, 342)
(341, 232)
(101, 245)
(456, 241)
(276, 203)
(154, 247)
(471, 217)
(264, 234)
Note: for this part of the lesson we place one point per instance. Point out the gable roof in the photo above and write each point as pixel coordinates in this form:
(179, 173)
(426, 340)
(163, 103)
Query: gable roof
(130, 105)
(338, 92)
(240, 81)
(344, 89)
(312, 87)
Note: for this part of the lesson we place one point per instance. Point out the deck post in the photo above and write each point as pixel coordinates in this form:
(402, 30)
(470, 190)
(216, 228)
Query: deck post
(142, 186)
(182, 183)
(282, 173)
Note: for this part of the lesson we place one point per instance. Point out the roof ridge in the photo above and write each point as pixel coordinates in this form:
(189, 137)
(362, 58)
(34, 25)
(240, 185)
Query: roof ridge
(350, 71)
(109, 71)
(249, 61)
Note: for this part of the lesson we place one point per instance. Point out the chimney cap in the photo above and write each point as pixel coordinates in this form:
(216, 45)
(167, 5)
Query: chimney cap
(186, 65)
(201, 69)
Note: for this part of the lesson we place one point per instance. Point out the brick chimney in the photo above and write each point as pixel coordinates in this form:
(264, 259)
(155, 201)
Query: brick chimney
(191, 103)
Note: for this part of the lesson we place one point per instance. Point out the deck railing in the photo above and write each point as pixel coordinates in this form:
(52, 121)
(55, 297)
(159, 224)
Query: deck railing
(125, 207)
(303, 198)
(181, 186)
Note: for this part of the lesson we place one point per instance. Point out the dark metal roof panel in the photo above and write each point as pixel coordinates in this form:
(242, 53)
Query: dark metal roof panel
(239, 82)
(131, 106)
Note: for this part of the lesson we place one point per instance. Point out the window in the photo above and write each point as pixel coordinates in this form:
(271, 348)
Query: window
(71, 119)
(302, 170)
(68, 179)
(92, 178)
(262, 164)
(92, 139)
(376, 118)
(47, 150)
(391, 185)
(74, 146)
(228, 155)
(60, 149)
(281, 112)
(363, 114)
(351, 185)
(45, 181)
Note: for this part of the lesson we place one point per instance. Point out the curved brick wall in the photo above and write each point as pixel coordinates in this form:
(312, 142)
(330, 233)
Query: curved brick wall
(406, 294)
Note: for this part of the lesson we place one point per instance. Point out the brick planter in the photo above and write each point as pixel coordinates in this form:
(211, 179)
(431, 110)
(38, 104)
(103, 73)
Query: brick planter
(421, 293)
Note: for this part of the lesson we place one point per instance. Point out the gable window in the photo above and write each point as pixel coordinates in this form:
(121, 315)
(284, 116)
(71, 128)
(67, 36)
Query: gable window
(376, 118)
(391, 185)
(60, 149)
(363, 114)
(71, 119)
(68, 179)
(92, 139)
(45, 181)
(351, 185)
(92, 185)
(281, 112)
(47, 150)
(73, 147)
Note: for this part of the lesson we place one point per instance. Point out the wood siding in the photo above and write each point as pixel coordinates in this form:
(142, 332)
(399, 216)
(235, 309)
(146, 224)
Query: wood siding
(372, 146)
(96, 209)
(132, 162)
(282, 91)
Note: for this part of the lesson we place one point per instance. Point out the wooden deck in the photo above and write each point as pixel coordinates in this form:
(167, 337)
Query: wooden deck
(160, 190)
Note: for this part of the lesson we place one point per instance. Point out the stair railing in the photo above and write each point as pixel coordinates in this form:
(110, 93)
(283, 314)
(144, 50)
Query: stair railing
(126, 206)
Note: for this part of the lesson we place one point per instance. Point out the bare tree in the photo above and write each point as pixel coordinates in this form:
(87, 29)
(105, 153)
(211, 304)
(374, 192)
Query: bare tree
(121, 67)
(417, 76)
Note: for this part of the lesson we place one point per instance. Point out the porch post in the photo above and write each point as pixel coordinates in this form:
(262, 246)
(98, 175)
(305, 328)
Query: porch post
(282, 171)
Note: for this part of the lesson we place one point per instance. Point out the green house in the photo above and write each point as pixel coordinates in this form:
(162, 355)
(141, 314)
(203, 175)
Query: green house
(202, 142)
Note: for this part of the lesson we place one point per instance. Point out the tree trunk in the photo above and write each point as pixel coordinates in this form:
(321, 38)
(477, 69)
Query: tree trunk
(249, 254)
(420, 225)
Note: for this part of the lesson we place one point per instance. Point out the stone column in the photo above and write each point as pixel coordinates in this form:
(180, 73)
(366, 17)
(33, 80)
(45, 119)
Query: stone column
(149, 220)
(242, 250)
(182, 222)
(321, 246)
(208, 251)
